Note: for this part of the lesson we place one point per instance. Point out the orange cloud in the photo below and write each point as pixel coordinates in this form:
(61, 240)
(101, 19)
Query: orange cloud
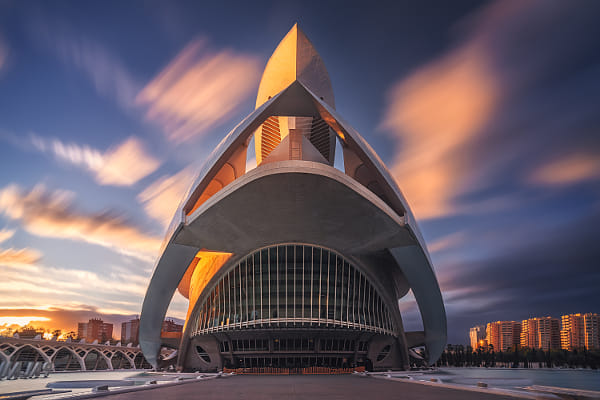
(435, 114)
(52, 214)
(14, 257)
(198, 90)
(163, 196)
(108, 290)
(122, 165)
(126, 164)
(18, 257)
(446, 242)
(568, 170)
(6, 234)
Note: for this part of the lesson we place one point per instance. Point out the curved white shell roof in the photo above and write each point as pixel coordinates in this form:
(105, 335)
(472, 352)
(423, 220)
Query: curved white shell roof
(295, 83)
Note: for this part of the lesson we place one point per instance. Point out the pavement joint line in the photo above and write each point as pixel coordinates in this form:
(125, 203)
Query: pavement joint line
(135, 389)
(497, 391)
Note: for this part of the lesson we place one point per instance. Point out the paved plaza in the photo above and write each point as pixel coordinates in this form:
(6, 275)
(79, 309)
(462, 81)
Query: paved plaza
(300, 387)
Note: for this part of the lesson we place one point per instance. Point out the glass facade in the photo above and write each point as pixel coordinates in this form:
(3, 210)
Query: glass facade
(293, 286)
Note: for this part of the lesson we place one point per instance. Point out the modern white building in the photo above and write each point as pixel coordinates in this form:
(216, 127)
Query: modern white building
(294, 263)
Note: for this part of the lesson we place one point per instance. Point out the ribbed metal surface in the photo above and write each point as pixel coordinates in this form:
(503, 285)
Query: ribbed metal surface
(320, 137)
(293, 286)
(270, 136)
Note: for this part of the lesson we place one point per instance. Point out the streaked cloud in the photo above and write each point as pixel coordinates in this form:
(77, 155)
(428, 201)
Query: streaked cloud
(126, 164)
(3, 52)
(6, 234)
(447, 242)
(18, 256)
(109, 76)
(434, 113)
(474, 117)
(122, 165)
(574, 168)
(199, 90)
(12, 256)
(21, 320)
(53, 214)
(164, 195)
(82, 285)
(66, 293)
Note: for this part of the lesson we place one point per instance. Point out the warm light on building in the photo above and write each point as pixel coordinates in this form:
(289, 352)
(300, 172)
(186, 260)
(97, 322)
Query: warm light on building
(130, 331)
(95, 329)
(540, 333)
(580, 331)
(477, 336)
(503, 335)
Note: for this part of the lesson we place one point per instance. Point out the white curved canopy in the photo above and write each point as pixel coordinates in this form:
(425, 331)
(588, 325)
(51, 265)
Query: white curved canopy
(239, 216)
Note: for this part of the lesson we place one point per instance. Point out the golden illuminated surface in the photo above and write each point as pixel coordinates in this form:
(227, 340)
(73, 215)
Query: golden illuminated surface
(230, 171)
(184, 284)
(294, 59)
(200, 271)
(280, 71)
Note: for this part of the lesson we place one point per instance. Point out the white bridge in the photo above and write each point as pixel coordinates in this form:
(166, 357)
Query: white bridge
(26, 358)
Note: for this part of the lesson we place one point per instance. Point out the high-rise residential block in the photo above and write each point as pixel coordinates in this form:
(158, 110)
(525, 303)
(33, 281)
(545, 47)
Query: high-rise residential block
(503, 335)
(540, 333)
(95, 329)
(580, 331)
(130, 331)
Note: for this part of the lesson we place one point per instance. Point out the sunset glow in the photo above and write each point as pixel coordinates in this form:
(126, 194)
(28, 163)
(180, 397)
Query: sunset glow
(485, 113)
(21, 321)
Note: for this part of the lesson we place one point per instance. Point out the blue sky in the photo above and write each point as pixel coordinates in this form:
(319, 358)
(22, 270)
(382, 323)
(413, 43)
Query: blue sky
(485, 112)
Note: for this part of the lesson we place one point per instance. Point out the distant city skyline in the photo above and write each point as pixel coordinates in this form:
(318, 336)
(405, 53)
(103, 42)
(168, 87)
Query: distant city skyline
(486, 113)
(570, 331)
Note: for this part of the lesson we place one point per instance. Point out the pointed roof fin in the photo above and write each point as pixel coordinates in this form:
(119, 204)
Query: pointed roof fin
(295, 58)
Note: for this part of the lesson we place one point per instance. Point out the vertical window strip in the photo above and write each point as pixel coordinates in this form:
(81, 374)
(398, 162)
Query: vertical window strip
(229, 298)
(335, 290)
(260, 279)
(286, 285)
(328, 294)
(246, 319)
(348, 298)
(277, 277)
(269, 315)
(320, 285)
(302, 278)
(295, 281)
(239, 271)
(312, 286)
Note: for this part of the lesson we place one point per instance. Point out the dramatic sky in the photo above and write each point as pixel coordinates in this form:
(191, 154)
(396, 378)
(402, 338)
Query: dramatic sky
(487, 114)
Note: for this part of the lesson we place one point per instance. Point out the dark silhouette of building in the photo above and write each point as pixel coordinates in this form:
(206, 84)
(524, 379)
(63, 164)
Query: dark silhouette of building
(130, 332)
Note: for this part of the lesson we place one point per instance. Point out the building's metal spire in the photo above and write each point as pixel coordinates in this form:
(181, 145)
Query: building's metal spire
(295, 58)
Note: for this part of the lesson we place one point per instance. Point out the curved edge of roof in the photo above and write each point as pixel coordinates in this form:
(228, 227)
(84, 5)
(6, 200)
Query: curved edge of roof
(412, 261)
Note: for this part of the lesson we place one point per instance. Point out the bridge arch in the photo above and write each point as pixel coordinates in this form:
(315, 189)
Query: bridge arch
(28, 353)
(96, 360)
(4, 362)
(66, 359)
(120, 360)
(140, 362)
